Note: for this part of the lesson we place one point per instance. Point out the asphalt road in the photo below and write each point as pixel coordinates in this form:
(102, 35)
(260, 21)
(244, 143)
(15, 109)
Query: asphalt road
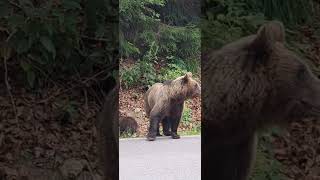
(163, 159)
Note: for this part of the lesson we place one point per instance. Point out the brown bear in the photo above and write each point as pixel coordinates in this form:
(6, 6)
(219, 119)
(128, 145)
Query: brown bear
(127, 124)
(250, 84)
(164, 103)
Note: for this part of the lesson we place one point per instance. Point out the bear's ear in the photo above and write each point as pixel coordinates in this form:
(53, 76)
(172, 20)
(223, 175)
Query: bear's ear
(267, 36)
(187, 76)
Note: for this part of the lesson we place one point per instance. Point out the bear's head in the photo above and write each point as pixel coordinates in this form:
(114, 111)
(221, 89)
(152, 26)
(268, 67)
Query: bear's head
(186, 87)
(295, 89)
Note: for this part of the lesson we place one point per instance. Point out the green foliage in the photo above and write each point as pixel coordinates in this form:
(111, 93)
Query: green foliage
(58, 36)
(186, 118)
(227, 20)
(180, 12)
(140, 25)
(172, 71)
(128, 135)
(177, 67)
(128, 49)
(142, 73)
(195, 130)
(182, 42)
(144, 35)
(136, 23)
(266, 167)
(152, 54)
(290, 12)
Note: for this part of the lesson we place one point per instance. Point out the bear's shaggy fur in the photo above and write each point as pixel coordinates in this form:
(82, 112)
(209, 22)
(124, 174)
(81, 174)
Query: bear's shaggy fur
(250, 84)
(127, 125)
(164, 103)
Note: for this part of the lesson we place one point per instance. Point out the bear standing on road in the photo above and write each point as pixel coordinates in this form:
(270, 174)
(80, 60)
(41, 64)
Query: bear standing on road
(250, 84)
(164, 103)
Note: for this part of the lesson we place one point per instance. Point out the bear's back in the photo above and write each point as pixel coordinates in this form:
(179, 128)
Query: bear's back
(154, 94)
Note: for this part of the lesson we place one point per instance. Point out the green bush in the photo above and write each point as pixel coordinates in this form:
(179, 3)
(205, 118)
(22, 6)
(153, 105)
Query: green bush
(152, 55)
(266, 167)
(180, 12)
(145, 36)
(137, 25)
(140, 28)
(130, 76)
(186, 118)
(67, 36)
(290, 12)
(172, 71)
(128, 49)
(227, 20)
(177, 67)
(141, 74)
(182, 42)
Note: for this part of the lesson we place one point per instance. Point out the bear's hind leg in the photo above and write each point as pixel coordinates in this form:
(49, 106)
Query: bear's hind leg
(153, 127)
(166, 126)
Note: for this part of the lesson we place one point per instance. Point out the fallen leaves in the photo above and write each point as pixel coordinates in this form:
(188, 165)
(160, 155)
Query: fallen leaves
(299, 151)
(41, 140)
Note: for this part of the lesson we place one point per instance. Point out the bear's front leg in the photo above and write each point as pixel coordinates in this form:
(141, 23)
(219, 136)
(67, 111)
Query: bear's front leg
(166, 126)
(174, 127)
(154, 122)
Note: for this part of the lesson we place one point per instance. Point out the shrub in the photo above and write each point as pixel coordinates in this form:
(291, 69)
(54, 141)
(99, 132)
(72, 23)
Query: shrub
(177, 67)
(140, 28)
(137, 24)
(141, 74)
(290, 12)
(227, 20)
(172, 71)
(186, 116)
(67, 36)
(182, 42)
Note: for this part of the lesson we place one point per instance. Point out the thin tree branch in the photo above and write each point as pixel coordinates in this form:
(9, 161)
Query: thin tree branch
(9, 89)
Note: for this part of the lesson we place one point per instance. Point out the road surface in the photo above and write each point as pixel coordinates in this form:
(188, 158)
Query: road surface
(163, 159)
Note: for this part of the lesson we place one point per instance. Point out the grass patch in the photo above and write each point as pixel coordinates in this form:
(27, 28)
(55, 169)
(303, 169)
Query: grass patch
(128, 135)
(195, 130)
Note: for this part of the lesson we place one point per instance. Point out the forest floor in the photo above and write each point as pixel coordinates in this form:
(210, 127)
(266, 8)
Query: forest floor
(52, 135)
